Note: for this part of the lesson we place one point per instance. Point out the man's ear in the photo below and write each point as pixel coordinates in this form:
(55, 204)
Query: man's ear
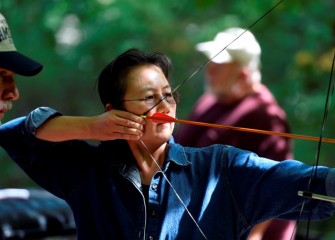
(244, 73)
(244, 77)
(109, 107)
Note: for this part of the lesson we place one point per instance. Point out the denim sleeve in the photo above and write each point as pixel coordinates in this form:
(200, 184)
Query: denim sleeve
(272, 188)
(330, 183)
(37, 117)
(23, 129)
(37, 158)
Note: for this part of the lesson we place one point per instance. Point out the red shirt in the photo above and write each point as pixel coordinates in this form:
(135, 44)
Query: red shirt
(257, 111)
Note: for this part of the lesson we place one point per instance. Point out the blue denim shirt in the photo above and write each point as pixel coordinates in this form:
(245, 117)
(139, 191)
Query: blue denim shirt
(226, 190)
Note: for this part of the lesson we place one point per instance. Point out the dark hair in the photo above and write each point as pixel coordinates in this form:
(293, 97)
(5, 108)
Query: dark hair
(112, 82)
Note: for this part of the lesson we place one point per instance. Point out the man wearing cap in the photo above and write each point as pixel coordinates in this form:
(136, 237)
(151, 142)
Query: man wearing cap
(12, 62)
(235, 96)
(39, 221)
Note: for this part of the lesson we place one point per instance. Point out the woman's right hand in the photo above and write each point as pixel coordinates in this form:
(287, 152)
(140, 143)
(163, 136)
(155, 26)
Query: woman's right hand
(111, 125)
(117, 124)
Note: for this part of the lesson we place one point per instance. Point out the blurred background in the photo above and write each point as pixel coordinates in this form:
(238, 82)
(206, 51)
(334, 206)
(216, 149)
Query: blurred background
(75, 39)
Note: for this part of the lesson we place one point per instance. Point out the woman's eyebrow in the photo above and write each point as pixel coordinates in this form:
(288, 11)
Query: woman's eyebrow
(144, 90)
(167, 87)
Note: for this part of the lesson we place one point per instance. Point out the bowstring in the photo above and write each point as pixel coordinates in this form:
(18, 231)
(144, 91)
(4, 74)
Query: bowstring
(316, 161)
(207, 62)
(174, 190)
(182, 83)
(313, 175)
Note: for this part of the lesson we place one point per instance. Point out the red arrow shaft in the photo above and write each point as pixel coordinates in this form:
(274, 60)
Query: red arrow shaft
(289, 135)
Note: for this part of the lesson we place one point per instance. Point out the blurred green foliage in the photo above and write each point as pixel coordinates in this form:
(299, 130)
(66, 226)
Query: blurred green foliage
(75, 39)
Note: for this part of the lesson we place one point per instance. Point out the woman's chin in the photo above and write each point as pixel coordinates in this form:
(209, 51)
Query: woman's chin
(158, 139)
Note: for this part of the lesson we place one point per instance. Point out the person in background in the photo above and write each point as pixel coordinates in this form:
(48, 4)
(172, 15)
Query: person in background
(12, 62)
(235, 96)
(138, 183)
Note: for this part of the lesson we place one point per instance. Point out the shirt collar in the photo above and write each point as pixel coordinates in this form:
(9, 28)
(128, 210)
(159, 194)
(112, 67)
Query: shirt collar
(123, 154)
(177, 153)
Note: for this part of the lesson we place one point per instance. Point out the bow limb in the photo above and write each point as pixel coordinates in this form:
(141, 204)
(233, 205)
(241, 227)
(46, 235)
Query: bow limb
(309, 193)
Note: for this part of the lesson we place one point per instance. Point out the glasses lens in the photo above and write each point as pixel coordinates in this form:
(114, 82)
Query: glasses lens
(171, 98)
(150, 101)
(176, 97)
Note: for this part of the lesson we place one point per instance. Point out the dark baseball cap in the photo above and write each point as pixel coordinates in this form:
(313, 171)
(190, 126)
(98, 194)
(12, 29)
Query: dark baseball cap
(10, 58)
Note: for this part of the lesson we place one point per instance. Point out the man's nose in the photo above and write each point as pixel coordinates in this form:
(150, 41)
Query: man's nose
(10, 91)
(211, 68)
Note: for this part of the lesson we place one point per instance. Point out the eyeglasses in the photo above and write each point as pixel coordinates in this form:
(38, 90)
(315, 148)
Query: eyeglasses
(153, 100)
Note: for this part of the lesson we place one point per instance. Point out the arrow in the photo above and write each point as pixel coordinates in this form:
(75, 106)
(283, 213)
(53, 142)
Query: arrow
(316, 196)
(163, 118)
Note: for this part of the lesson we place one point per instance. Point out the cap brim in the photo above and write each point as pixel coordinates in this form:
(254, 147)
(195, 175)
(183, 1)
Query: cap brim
(214, 52)
(19, 63)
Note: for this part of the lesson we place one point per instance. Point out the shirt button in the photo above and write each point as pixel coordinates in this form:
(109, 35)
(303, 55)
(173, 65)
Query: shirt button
(151, 237)
(153, 213)
(154, 187)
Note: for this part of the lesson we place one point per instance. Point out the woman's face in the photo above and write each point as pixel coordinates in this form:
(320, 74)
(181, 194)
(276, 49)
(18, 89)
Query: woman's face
(149, 82)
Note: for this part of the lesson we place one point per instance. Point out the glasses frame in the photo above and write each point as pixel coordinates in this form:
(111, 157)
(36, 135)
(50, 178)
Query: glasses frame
(175, 96)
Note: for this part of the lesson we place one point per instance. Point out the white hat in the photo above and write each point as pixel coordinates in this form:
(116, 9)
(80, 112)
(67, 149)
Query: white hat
(233, 44)
(10, 58)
